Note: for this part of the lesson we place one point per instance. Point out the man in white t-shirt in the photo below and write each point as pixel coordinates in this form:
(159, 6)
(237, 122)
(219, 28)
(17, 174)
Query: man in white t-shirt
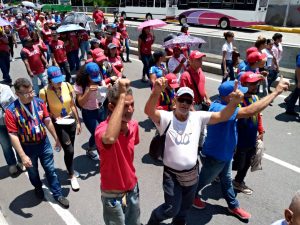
(180, 156)
(292, 214)
(177, 63)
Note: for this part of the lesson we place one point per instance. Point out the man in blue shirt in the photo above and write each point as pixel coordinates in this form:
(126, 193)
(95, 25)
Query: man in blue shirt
(295, 95)
(220, 143)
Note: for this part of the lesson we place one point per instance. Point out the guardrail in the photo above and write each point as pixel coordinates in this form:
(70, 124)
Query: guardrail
(91, 9)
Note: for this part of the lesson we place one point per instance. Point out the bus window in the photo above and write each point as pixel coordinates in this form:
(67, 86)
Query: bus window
(263, 3)
(182, 4)
(215, 4)
(163, 3)
(128, 2)
(193, 3)
(136, 3)
(240, 5)
(143, 3)
(228, 4)
(150, 3)
(157, 3)
(203, 3)
(122, 3)
(251, 4)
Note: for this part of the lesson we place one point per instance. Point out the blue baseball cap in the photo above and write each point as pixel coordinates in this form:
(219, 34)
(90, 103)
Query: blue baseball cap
(113, 26)
(55, 75)
(228, 86)
(93, 70)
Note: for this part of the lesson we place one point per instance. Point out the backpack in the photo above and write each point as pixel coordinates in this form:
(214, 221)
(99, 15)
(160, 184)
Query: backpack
(157, 145)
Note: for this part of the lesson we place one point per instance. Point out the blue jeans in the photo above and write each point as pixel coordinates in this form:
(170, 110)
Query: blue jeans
(35, 82)
(115, 213)
(5, 143)
(230, 70)
(272, 76)
(65, 69)
(42, 151)
(178, 200)
(127, 48)
(211, 168)
(91, 119)
(293, 97)
(146, 62)
(85, 48)
(5, 65)
(73, 59)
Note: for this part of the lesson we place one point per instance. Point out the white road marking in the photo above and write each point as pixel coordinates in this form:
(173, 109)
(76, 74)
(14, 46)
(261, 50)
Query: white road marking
(65, 214)
(266, 156)
(2, 219)
(282, 163)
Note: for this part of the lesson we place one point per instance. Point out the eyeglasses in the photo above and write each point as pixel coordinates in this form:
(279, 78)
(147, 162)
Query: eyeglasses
(28, 94)
(185, 100)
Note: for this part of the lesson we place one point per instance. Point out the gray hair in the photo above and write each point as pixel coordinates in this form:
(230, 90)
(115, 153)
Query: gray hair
(113, 93)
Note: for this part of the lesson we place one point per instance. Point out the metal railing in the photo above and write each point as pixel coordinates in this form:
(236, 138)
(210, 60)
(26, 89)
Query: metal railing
(90, 9)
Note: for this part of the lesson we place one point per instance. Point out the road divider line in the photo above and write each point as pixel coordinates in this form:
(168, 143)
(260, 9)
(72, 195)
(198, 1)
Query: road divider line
(282, 163)
(2, 219)
(65, 214)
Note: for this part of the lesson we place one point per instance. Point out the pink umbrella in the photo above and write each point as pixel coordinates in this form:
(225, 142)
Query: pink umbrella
(152, 23)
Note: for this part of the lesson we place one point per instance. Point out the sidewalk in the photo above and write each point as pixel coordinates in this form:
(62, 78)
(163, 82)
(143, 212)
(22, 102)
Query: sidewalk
(295, 30)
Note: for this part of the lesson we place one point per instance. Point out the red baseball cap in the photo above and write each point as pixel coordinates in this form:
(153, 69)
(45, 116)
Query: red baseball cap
(101, 58)
(172, 80)
(256, 57)
(250, 50)
(196, 55)
(250, 77)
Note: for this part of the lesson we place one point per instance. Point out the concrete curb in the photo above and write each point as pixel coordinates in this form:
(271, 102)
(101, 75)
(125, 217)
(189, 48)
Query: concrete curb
(210, 63)
(277, 29)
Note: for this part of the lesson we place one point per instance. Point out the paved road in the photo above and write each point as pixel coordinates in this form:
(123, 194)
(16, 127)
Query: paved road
(273, 186)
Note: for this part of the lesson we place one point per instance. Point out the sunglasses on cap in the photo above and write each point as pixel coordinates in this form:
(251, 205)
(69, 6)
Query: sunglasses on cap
(185, 100)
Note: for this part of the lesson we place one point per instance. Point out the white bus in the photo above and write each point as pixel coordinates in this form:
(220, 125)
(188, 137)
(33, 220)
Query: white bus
(223, 13)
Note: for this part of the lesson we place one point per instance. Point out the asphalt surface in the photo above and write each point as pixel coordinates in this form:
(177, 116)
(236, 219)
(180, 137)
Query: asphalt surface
(273, 186)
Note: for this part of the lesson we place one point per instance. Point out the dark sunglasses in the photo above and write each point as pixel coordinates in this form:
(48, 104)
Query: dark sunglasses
(185, 100)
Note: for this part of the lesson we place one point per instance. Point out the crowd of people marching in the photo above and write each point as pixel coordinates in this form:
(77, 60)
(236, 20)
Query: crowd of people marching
(102, 96)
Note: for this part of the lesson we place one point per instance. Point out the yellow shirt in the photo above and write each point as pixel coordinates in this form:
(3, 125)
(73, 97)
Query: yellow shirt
(54, 104)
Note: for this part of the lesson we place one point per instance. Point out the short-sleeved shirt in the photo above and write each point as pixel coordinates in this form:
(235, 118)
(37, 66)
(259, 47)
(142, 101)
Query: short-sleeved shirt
(92, 102)
(28, 130)
(47, 35)
(4, 44)
(277, 52)
(116, 62)
(228, 48)
(98, 16)
(116, 165)
(122, 30)
(269, 63)
(173, 63)
(146, 46)
(6, 98)
(23, 32)
(59, 51)
(74, 39)
(52, 99)
(182, 138)
(280, 222)
(196, 81)
(84, 35)
(33, 55)
(221, 138)
(159, 71)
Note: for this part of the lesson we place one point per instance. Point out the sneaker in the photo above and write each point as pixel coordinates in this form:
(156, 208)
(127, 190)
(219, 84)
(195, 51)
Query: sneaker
(21, 167)
(39, 193)
(198, 203)
(242, 187)
(12, 169)
(74, 184)
(64, 202)
(92, 155)
(240, 213)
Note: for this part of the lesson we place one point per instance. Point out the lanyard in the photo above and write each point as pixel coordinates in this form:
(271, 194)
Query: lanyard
(59, 97)
(32, 115)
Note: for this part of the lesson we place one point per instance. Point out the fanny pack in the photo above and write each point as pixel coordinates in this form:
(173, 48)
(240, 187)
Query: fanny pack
(185, 178)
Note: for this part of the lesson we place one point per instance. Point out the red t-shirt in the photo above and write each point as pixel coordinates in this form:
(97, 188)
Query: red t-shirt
(98, 16)
(40, 44)
(17, 121)
(47, 35)
(116, 62)
(33, 55)
(74, 39)
(4, 44)
(97, 52)
(116, 164)
(198, 85)
(105, 43)
(23, 32)
(84, 35)
(59, 51)
(146, 46)
(122, 29)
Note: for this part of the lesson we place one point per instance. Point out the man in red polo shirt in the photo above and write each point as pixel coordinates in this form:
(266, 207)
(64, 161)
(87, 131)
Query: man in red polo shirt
(22, 28)
(98, 17)
(115, 140)
(194, 78)
(34, 62)
(59, 55)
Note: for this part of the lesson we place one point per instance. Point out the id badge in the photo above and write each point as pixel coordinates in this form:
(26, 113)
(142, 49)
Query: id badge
(37, 129)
